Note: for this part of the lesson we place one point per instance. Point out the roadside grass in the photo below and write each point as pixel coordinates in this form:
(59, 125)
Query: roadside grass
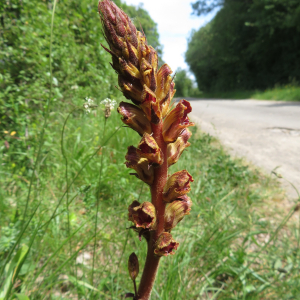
(229, 246)
(289, 92)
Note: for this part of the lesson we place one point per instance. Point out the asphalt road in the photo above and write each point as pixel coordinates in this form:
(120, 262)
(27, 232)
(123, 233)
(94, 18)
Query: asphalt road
(266, 133)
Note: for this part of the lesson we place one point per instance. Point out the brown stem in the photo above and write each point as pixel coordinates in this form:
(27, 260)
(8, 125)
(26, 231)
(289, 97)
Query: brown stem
(160, 179)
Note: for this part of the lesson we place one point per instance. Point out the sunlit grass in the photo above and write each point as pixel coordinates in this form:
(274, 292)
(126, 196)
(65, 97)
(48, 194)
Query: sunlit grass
(285, 93)
(289, 92)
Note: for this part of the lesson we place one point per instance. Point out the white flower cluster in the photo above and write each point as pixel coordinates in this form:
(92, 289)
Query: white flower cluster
(109, 103)
(88, 105)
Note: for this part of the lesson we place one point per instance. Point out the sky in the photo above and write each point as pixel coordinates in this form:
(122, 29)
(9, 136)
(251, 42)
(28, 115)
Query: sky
(174, 24)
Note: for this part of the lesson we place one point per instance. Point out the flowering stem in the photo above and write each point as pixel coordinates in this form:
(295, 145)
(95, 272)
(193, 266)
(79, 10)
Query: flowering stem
(160, 179)
(149, 273)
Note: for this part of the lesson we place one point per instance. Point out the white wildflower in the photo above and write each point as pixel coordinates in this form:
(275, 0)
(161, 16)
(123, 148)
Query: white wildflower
(109, 106)
(89, 104)
(108, 102)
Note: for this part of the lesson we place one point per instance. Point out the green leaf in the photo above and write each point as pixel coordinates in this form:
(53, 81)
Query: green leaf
(82, 283)
(13, 269)
(22, 297)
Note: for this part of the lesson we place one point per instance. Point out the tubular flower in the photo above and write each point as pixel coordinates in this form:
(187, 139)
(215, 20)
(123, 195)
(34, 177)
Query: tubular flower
(142, 215)
(176, 210)
(165, 88)
(165, 245)
(149, 149)
(176, 120)
(140, 165)
(150, 105)
(134, 117)
(175, 149)
(131, 91)
(177, 185)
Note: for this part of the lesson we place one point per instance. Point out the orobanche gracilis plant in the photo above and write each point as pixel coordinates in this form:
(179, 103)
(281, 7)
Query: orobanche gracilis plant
(164, 136)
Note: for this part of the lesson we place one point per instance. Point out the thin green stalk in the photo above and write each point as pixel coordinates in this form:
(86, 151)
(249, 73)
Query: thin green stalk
(297, 201)
(79, 172)
(66, 176)
(97, 204)
(56, 251)
(68, 188)
(41, 139)
(18, 240)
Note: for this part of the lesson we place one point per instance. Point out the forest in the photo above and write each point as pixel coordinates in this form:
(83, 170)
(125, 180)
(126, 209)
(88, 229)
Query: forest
(248, 45)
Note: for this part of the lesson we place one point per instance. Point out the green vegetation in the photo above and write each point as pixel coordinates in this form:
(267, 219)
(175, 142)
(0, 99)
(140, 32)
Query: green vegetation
(184, 85)
(289, 92)
(249, 45)
(80, 67)
(231, 246)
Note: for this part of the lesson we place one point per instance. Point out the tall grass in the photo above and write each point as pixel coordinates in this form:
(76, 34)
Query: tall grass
(230, 246)
(235, 245)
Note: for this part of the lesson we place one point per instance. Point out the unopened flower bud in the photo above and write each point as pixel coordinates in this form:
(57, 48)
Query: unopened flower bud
(134, 117)
(141, 165)
(175, 211)
(118, 27)
(176, 120)
(177, 185)
(165, 245)
(133, 266)
(175, 149)
(149, 149)
(142, 215)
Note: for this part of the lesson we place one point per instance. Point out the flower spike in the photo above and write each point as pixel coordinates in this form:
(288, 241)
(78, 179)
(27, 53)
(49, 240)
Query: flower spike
(164, 135)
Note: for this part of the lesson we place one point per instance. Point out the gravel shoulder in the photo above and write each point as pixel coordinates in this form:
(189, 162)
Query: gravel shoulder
(266, 133)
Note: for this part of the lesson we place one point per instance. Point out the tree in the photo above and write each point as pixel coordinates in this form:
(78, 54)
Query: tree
(185, 85)
(201, 7)
(250, 44)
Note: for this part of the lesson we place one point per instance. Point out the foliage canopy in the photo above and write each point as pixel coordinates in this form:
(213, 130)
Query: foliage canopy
(79, 63)
(251, 44)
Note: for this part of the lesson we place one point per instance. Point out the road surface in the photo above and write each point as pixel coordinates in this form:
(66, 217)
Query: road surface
(266, 133)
